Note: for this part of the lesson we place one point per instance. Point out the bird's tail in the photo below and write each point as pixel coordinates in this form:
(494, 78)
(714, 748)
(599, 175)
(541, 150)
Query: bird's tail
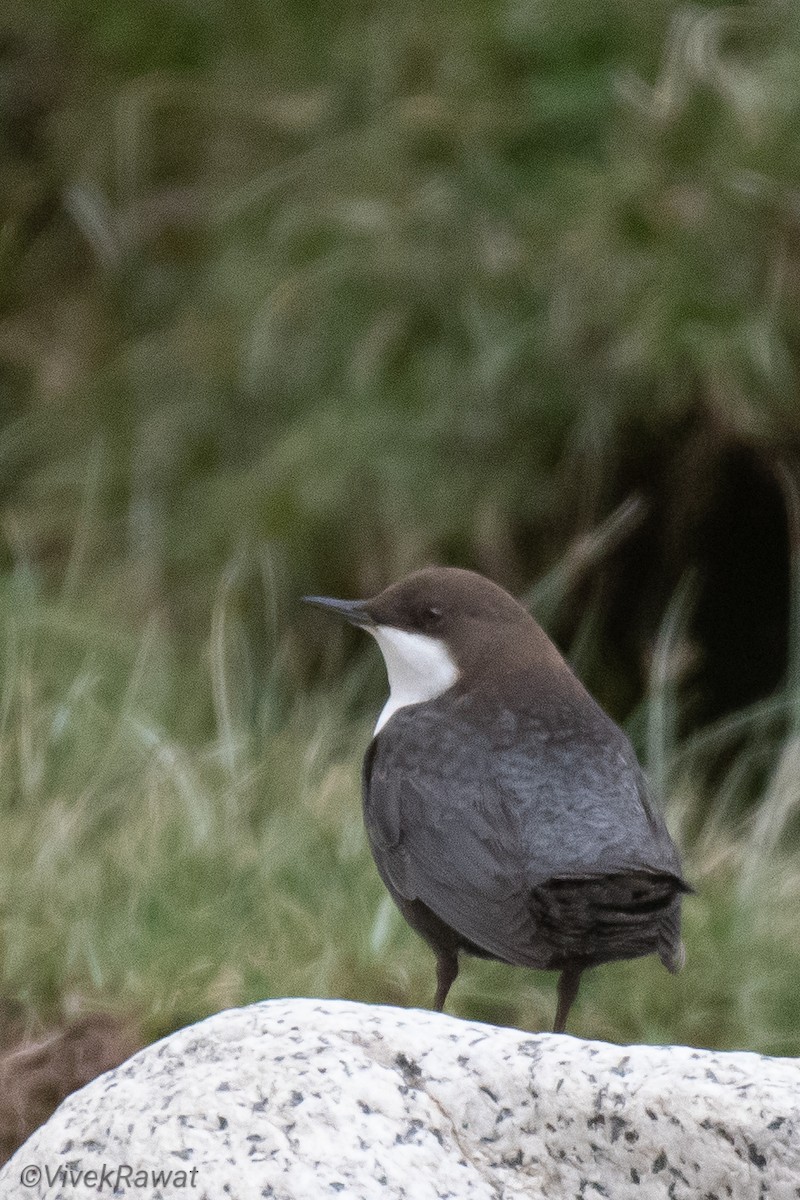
(597, 918)
(671, 949)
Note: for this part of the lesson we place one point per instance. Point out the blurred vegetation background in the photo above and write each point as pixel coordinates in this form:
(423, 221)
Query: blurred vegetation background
(297, 298)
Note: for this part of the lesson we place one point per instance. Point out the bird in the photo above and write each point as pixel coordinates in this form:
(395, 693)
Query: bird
(506, 812)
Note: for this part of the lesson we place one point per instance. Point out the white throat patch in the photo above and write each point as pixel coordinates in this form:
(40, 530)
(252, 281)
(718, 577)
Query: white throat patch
(419, 668)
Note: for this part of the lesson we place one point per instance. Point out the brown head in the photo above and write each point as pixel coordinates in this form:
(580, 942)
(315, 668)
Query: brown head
(444, 625)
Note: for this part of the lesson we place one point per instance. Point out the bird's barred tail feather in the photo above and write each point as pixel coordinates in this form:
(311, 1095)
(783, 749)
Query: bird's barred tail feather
(598, 918)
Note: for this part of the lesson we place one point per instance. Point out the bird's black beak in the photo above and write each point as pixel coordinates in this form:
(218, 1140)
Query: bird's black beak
(353, 611)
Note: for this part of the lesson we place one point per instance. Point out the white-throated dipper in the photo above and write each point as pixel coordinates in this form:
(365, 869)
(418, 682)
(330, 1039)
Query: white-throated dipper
(506, 812)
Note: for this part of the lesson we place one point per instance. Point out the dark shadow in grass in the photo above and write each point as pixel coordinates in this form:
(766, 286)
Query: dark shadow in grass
(38, 1071)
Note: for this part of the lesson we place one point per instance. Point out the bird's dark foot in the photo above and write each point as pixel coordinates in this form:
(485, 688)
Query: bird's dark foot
(568, 983)
(446, 972)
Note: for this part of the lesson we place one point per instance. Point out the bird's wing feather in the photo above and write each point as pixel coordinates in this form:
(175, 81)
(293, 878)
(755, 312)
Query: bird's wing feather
(471, 820)
(458, 858)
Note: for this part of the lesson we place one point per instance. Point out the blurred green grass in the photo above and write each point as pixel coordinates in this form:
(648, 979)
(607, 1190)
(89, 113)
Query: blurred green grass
(334, 281)
(297, 300)
(164, 878)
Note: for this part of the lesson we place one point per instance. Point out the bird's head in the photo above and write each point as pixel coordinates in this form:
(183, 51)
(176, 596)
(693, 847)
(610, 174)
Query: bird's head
(433, 627)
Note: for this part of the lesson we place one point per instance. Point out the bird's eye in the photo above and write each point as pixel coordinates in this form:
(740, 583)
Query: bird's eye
(431, 615)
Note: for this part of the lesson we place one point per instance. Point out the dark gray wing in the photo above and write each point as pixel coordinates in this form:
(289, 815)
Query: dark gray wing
(451, 842)
(473, 819)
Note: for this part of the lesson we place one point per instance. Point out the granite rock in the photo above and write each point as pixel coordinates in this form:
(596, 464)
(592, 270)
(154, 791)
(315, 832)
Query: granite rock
(294, 1099)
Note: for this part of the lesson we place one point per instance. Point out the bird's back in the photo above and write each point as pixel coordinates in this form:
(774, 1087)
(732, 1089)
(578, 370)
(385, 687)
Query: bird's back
(524, 826)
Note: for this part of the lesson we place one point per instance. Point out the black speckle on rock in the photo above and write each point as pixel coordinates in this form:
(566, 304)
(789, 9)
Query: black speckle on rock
(755, 1156)
(653, 1116)
(659, 1163)
(412, 1072)
(617, 1126)
(635, 1176)
(514, 1161)
(365, 1108)
(776, 1124)
(260, 1105)
(223, 1087)
(597, 1119)
(336, 1186)
(488, 1092)
(622, 1067)
(296, 1098)
(223, 1122)
(410, 1134)
(631, 1135)
(591, 1183)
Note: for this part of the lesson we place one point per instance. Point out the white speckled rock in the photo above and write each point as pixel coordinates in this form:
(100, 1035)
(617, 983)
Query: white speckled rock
(301, 1099)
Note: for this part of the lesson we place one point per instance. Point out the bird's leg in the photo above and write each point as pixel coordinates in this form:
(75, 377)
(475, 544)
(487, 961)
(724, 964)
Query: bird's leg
(446, 971)
(568, 984)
